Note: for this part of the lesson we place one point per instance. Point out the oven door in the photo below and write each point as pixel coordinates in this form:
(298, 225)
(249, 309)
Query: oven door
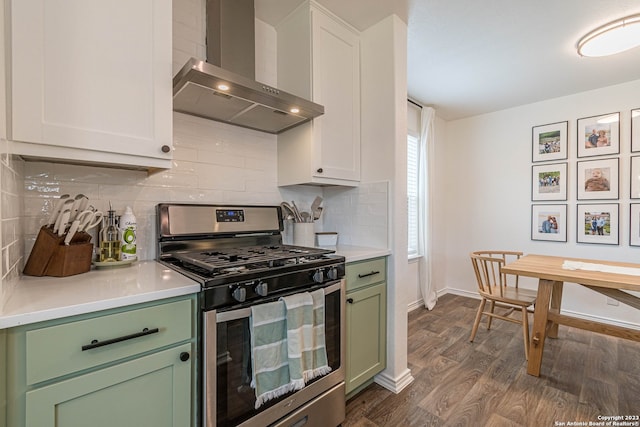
(228, 399)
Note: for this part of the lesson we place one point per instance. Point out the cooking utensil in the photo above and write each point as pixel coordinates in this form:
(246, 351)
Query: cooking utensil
(88, 219)
(83, 204)
(306, 216)
(78, 201)
(56, 210)
(63, 219)
(317, 213)
(292, 211)
(315, 205)
(296, 212)
(72, 231)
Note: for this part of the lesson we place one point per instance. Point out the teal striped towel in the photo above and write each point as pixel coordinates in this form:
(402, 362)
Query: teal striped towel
(270, 365)
(306, 347)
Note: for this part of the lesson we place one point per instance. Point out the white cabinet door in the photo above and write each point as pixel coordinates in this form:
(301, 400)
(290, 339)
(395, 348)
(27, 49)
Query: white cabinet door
(319, 57)
(336, 85)
(93, 76)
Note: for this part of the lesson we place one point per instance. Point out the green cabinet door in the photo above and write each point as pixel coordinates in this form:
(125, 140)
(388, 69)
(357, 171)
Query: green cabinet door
(366, 334)
(151, 391)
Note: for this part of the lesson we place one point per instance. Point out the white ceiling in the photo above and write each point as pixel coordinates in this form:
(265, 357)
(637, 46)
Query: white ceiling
(469, 57)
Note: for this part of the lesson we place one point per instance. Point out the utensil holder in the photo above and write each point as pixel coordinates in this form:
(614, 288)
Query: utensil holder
(304, 233)
(51, 257)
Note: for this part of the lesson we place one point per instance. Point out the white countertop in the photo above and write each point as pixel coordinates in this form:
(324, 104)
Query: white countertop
(34, 299)
(358, 253)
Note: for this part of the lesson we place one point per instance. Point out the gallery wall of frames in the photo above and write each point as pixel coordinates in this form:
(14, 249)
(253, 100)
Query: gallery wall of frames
(595, 173)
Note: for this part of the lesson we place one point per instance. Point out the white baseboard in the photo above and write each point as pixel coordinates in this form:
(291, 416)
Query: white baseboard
(395, 385)
(579, 315)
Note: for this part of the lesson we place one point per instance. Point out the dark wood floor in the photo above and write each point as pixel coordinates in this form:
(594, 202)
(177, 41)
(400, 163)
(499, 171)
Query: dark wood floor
(485, 383)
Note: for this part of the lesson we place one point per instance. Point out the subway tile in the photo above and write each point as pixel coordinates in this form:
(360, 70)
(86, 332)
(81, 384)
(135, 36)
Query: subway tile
(171, 179)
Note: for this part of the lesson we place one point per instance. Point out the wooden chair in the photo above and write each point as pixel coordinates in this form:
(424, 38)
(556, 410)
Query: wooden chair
(494, 288)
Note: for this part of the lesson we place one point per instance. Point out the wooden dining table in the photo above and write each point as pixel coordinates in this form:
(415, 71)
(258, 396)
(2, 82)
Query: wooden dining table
(605, 277)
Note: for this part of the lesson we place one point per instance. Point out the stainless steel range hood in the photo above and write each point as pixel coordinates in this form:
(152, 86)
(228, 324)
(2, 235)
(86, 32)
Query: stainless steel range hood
(224, 88)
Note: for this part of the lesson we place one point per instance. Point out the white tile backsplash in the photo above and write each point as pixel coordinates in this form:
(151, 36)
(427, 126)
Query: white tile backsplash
(359, 215)
(11, 243)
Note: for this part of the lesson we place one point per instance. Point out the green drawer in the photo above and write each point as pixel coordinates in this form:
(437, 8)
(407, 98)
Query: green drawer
(365, 273)
(57, 350)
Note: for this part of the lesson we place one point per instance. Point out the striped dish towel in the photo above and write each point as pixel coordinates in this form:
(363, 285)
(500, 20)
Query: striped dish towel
(305, 338)
(270, 365)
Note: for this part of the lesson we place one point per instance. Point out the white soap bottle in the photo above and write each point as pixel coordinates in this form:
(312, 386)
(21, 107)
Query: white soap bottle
(128, 227)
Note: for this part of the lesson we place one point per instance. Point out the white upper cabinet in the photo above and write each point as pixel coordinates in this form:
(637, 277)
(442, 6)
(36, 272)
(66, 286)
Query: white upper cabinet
(91, 81)
(319, 58)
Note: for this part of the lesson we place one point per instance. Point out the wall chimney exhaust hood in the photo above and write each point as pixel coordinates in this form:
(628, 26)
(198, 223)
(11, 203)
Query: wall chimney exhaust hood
(224, 88)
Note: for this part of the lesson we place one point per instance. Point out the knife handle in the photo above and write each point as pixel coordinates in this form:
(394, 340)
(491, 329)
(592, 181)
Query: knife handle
(72, 231)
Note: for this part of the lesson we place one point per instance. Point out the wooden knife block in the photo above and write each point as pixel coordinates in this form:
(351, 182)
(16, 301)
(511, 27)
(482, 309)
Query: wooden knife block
(51, 257)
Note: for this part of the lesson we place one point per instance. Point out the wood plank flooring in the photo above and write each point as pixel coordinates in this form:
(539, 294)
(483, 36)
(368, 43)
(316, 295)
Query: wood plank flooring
(485, 383)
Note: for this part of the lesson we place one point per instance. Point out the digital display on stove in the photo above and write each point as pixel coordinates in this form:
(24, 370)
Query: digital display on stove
(229, 215)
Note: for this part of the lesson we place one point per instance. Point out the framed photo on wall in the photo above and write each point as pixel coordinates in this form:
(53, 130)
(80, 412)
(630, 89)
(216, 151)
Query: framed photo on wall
(634, 224)
(549, 182)
(599, 135)
(635, 130)
(549, 142)
(597, 223)
(635, 177)
(598, 179)
(549, 222)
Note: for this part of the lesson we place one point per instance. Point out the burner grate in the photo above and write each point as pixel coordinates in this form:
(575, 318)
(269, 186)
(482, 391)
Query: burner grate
(237, 260)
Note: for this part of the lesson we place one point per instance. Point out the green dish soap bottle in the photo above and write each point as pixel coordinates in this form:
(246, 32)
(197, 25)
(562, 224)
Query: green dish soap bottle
(128, 228)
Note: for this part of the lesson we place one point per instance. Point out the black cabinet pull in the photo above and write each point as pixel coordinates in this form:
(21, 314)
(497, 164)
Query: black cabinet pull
(184, 356)
(165, 148)
(320, 170)
(368, 274)
(96, 343)
(350, 300)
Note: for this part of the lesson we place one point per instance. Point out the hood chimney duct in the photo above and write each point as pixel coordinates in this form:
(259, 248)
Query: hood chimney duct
(231, 36)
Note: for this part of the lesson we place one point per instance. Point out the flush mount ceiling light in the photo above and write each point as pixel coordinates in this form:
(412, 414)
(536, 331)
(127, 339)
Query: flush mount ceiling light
(614, 37)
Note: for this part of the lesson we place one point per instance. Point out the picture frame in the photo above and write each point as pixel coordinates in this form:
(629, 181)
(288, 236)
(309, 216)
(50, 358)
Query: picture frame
(549, 182)
(549, 222)
(599, 135)
(549, 142)
(598, 179)
(635, 130)
(590, 230)
(634, 175)
(634, 224)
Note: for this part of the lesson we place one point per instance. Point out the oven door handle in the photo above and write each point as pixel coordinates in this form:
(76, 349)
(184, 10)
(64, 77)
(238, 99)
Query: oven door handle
(242, 313)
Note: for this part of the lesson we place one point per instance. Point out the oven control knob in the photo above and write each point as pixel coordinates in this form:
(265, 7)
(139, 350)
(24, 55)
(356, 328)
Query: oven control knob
(332, 273)
(239, 294)
(262, 289)
(318, 276)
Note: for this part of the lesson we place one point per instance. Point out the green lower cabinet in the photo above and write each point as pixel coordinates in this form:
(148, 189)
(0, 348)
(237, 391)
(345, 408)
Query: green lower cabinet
(366, 334)
(150, 391)
(127, 367)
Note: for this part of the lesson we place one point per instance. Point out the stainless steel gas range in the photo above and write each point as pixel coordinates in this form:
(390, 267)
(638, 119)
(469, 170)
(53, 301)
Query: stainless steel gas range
(236, 254)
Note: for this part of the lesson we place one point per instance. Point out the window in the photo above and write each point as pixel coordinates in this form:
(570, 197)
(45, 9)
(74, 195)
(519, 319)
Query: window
(412, 195)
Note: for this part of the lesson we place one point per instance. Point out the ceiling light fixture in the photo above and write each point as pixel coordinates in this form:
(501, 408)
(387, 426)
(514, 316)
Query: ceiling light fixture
(614, 37)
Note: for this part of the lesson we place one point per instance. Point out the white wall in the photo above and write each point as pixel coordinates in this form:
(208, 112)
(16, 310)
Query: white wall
(483, 198)
(384, 154)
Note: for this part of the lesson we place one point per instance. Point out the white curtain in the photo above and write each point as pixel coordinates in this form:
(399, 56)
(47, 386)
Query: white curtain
(425, 171)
